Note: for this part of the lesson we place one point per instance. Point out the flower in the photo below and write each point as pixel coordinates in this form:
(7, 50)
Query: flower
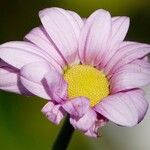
(83, 67)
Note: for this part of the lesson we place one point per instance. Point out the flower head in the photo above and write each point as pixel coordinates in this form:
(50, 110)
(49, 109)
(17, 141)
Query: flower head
(83, 67)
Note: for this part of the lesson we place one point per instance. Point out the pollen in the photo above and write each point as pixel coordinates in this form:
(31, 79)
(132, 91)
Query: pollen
(87, 81)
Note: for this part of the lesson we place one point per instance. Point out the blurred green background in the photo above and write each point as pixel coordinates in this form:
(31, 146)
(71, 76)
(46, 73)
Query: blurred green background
(22, 125)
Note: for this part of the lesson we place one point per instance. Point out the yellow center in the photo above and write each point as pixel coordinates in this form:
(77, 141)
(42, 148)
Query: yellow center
(84, 80)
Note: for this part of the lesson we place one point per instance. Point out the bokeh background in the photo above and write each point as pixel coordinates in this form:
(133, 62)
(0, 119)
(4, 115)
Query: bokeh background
(22, 125)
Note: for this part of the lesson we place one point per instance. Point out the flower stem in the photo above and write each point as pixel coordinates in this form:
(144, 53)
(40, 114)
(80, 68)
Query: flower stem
(64, 136)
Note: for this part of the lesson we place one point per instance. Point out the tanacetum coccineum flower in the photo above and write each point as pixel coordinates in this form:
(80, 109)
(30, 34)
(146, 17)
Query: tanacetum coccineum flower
(83, 67)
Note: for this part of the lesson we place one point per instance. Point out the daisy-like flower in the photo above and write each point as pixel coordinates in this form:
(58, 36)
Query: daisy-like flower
(83, 67)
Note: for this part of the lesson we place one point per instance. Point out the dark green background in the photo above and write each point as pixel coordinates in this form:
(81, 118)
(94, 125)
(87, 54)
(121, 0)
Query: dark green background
(22, 125)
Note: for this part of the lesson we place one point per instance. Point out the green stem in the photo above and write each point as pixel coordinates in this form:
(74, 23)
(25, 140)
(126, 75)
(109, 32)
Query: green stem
(64, 136)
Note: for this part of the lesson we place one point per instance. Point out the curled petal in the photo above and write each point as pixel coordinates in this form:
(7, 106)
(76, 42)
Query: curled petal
(56, 86)
(32, 76)
(93, 130)
(53, 112)
(85, 122)
(126, 108)
(77, 107)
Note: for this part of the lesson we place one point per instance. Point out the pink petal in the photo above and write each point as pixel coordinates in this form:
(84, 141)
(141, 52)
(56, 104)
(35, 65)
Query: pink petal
(32, 76)
(77, 107)
(18, 57)
(145, 58)
(93, 130)
(40, 39)
(24, 53)
(130, 76)
(85, 122)
(56, 86)
(126, 109)
(53, 112)
(10, 81)
(94, 37)
(78, 24)
(128, 52)
(120, 27)
(5, 72)
(27, 46)
(63, 30)
(140, 103)
(84, 20)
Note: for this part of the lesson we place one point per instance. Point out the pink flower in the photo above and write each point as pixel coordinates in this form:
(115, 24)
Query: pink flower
(84, 68)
